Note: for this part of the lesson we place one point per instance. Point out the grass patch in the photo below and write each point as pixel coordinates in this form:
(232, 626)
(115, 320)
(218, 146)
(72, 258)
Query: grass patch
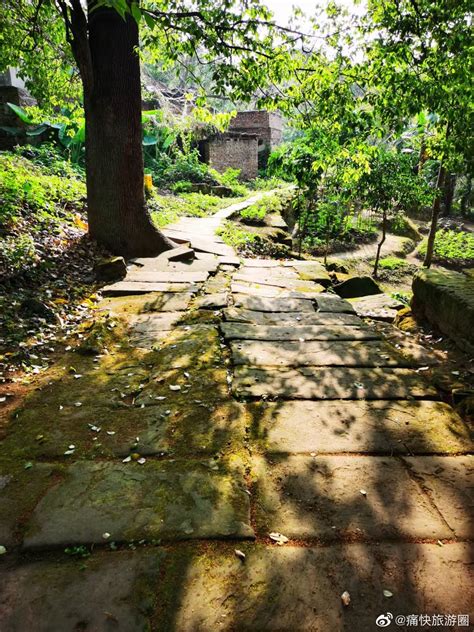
(165, 209)
(274, 203)
(392, 263)
(235, 236)
(451, 247)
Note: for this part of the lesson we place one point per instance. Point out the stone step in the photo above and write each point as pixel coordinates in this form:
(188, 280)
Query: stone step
(308, 318)
(380, 427)
(330, 383)
(272, 273)
(333, 303)
(268, 291)
(320, 497)
(449, 482)
(123, 288)
(266, 304)
(192, 588)
(244, 331)
(317, 353)
(155, 276)
(158, 500)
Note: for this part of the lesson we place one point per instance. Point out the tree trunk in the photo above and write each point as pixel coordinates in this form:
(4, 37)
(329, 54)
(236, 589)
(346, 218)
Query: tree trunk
(434, 216)
(118, 218)
(380, 244)
(449, 187)
(466, 197)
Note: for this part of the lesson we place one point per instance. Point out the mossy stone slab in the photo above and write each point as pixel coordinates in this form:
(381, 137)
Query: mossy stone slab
(449, 481)
(124, 288)
(320, 497)
(108, 591)
(265, 304)
(330, 383)
(157, 500)
(296, 332)
(241, 315)
(360, 353)
(333, 303)
(381, 427)
(269, 291)
(295, 588)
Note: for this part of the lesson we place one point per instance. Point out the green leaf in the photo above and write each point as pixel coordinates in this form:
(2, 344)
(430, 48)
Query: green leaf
(136, 13)
(21, 113)
(149, 140)
(40, 129)
(150, 21)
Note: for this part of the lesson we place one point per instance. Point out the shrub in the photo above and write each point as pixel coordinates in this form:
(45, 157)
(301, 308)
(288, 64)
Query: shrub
(27, 189)
(235, 236)
(452, 247)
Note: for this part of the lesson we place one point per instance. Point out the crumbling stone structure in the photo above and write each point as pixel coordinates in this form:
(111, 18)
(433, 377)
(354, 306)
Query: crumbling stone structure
(239, 151)
(251, 138)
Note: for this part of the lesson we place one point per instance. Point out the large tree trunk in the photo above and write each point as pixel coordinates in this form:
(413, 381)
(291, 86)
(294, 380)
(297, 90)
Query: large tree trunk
(118, 218)
(434, 216)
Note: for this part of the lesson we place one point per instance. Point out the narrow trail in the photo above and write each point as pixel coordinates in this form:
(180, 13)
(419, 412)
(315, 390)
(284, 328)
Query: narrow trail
(233, 450)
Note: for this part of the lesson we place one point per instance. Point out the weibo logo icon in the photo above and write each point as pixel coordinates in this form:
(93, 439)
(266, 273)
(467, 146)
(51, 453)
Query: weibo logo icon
(384, 620)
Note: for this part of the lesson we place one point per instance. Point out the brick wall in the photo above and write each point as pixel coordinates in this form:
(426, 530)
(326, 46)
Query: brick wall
(233, 150)
(267, 126)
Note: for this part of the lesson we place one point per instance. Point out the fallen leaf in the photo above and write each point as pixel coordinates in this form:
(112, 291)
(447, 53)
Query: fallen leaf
(387, 593)
(278, 538)
(346, 598)
(240, 554)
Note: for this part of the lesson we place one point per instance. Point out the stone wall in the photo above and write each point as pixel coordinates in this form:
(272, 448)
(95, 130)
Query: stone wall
(446, 299)
(266, 125)
(238, 151)
(8, 118)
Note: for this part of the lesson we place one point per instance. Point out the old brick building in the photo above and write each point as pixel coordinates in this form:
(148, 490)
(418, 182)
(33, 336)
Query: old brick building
(251, 137)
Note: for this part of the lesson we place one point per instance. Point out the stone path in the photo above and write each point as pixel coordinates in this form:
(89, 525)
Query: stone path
(206, 418)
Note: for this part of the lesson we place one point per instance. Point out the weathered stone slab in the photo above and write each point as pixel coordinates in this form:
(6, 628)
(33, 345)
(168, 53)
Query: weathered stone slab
(332, 303)
(313, 271)
(112, 591)
(390, 427)
(291, 318)
(212, 301)
(155, 276)
(157, 500)
(268, 272)
(163, 265)
(377, 306)
(269, 291)
(299, 589)
(266, 304)
(190, 346)
(446, 299)
(144, 303)
(122, 288)
(182, 423)
(302, 333)
(19, 493)
(199, 385)
(229, 261)
(154, 323)
(320, 497)
(449, 481)
(316, 353)
(212, 247)
(331, 383)
(260, 263)
(289, 284)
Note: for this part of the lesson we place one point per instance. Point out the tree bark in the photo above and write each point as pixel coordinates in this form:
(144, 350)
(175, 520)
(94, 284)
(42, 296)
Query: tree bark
(448, 197)
(434, 216)
(380, 244)
(117, 213)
